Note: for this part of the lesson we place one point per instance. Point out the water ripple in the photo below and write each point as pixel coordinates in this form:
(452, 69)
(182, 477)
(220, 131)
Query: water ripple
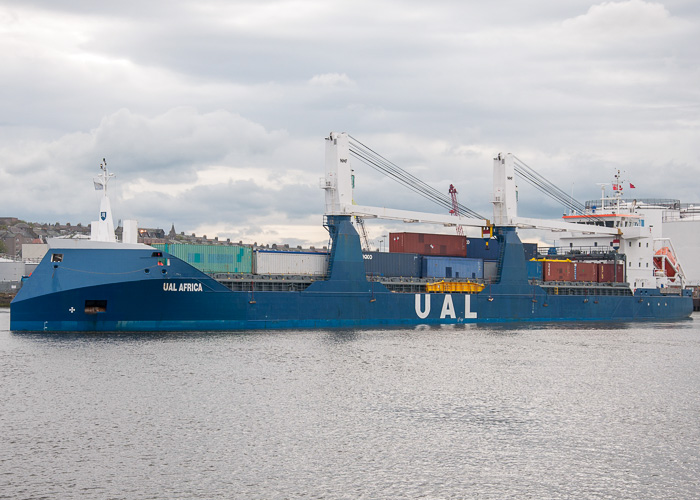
(471, 411)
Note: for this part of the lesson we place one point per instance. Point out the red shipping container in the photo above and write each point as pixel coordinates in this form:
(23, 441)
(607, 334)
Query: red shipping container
(606, 273)
(557, 270)
(585, 271)
(446, 245)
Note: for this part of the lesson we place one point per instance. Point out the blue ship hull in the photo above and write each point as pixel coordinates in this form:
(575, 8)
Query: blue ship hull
(114, 289)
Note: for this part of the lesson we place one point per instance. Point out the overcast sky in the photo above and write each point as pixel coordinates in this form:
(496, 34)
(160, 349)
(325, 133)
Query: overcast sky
(212, 114)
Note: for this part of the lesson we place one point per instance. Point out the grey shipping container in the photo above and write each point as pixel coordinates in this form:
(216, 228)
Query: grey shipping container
(490, 270)
(452, 267)
(309, 263)
(392, 264)
(235, 259)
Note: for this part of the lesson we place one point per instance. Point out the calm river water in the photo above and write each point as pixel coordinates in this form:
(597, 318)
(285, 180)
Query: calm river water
(559, 411)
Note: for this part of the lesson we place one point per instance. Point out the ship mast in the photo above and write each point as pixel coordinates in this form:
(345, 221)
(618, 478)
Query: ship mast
(103, 228)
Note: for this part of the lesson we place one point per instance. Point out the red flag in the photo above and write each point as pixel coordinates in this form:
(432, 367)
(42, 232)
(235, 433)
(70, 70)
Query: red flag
(616, 187)
(631, 186)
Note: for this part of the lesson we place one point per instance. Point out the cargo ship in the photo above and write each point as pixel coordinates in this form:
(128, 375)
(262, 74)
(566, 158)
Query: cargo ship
(105, 285)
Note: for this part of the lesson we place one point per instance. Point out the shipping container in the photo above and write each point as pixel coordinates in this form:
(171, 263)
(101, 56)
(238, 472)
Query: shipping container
(393, 264)
(490, 270)
(452, 267)
(308, 263)
(446, 245)
(479, 248)
(534, 269)
(558, 270)
(606, 273)
(530, 250)
(585, 271)
(236, 259)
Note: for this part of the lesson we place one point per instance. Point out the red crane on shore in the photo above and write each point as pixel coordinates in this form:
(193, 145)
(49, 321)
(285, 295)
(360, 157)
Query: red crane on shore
(455, 207)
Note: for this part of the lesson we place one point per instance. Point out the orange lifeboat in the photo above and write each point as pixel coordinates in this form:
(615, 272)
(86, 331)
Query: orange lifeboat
(664, 259)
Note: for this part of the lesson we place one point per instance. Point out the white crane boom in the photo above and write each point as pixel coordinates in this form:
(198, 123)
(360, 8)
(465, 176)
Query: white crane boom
(338, 184)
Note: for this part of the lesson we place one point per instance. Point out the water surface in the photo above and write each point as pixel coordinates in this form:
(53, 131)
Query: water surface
(554, 411)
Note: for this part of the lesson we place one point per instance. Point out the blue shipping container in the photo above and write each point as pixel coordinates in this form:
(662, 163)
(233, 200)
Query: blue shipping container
(534, 269)
(452, 267)
(478, 249)
(392, 264)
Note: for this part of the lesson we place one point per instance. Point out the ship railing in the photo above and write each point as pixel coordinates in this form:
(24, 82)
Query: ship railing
(580, 252)
(659, 202)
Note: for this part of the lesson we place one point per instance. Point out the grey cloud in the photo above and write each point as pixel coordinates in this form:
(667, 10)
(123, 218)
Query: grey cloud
(180, 87)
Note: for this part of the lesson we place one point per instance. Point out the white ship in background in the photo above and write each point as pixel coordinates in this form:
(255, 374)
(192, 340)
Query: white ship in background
(670, 228)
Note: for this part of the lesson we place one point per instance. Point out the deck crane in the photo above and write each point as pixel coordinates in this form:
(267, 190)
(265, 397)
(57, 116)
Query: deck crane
(632, 229)
(455, 207)
(337, 184)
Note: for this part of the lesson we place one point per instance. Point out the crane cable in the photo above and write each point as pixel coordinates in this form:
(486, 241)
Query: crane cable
(381, 164)
(373, 159)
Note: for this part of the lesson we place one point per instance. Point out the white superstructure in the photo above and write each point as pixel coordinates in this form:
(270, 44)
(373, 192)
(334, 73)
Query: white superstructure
(102, 229)
(645, 239)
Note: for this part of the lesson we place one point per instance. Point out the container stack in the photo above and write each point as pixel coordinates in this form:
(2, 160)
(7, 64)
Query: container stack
(212, 258)
(565, 270)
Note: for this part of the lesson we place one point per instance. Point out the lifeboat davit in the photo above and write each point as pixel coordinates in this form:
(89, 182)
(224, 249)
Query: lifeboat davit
(664, 259)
